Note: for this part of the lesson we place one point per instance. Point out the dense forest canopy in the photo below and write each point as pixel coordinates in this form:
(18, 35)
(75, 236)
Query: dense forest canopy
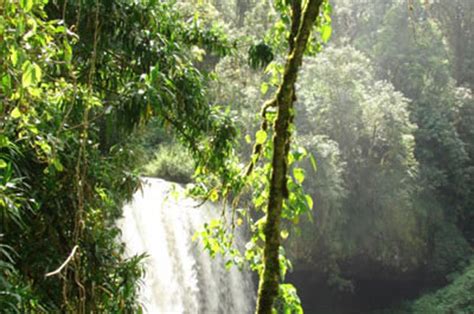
(340, 135)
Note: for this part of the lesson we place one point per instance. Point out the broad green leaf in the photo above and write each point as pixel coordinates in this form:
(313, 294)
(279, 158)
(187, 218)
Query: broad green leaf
(45, 147)
(326, 31)
(14, 56)
(27, 77)
(260, 136)
(32, 74)
(57, 164)
(16, 113)
(3, 163)
(291, 159)
(6, 82)
(26, 5)
(3, 141)
(214, 223)
(37, 72)
(299, 173)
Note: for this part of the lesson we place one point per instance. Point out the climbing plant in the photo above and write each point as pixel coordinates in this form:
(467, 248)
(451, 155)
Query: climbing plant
(273, 191)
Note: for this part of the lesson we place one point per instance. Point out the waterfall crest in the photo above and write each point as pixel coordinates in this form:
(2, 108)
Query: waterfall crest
(180, 277)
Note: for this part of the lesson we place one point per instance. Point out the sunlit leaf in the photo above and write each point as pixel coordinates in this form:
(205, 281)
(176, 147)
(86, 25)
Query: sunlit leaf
(260, 136)
(299, 174)
(326, 31)
(4, 141)
(214, 196)
(26, 5)
(57, 164)
(248, 139)
(264, 88)
(16, 113)
(32, 74)
(309, 201)
(14, 56)
(313, 162)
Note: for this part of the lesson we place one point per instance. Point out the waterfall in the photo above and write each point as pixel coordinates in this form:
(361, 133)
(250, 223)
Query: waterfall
(179, 276)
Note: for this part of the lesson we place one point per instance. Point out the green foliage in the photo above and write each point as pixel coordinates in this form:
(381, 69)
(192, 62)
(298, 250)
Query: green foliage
(458, 297)
(288, 301)
(260, 55)
(391, 135)
(256, 179)
(450, 252)
(365, 182)
(420, 67)
(171, 162)
(390, 130)
(46, 138)
(70, 103)
(16, 293)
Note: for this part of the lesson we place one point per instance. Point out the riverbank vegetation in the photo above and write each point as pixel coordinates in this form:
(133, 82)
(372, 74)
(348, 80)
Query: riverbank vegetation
(379, 214)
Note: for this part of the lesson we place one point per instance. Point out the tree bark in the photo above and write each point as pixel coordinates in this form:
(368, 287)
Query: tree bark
(284, 99)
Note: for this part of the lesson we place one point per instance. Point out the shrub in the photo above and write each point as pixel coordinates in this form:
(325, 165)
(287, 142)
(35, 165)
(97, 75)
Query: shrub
(171, 162)
(458, 297)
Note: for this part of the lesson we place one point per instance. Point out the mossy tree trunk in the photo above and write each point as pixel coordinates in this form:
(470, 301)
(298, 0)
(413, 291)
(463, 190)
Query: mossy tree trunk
(303, 20)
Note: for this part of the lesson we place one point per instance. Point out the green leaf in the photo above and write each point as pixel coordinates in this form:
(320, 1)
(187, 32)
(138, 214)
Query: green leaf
(284, 234)
(4, 141)
(44, 146)
(326, 31)
(37, 72)
(57, 164)
(260, 136)
(27, 77)
(248, 140)
(14, 56)
(16, 113)
(299, 173)
(26, 5)
(264, 88)
(313, 162)
(214, 196)
(67, 51)
(6, 84)
(3, 163)
(309, 201)
(31, 74)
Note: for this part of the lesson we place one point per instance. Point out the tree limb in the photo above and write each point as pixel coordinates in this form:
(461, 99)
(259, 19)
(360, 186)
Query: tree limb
(270, 280)
(68, 259)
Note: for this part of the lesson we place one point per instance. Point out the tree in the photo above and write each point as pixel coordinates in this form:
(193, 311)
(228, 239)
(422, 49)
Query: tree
(359, 131)
(420, 68)
(456, 21)
(303, 19)
(72, 95)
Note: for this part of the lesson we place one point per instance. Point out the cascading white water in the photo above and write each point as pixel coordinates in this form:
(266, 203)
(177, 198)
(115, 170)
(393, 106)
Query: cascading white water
(180, 277)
